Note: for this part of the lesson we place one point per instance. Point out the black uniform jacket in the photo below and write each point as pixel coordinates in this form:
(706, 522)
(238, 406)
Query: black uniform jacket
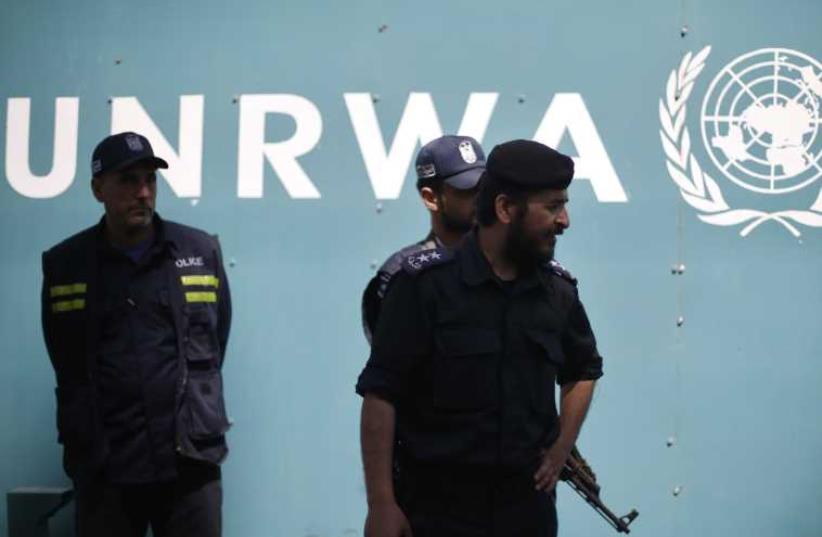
(198, 297)
(470, 362)
(377, 287)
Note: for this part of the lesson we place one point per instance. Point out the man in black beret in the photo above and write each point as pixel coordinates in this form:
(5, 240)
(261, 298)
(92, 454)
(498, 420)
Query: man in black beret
(460, 431)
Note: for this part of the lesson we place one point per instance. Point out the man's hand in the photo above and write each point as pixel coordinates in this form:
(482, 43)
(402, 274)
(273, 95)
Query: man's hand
(386, 520)
(574, 401)
(553, 460)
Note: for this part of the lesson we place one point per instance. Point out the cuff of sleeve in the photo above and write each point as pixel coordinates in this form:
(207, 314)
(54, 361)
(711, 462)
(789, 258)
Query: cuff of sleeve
(577, 376)
(378, 382)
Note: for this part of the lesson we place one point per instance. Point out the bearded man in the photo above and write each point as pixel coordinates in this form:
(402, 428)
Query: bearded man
(460, 432)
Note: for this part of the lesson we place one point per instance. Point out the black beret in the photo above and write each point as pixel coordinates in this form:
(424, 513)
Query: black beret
(530, 165)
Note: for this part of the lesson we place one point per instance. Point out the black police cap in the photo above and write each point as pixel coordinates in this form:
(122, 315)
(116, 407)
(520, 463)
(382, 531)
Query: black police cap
(530, 165)
(119, 151)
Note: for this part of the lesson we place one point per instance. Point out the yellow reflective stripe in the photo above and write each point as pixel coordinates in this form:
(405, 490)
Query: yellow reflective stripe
(68, 305)
(63, 290)
(204, 296)
(201, 279)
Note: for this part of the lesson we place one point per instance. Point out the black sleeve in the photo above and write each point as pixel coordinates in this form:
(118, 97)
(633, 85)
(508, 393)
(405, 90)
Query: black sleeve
(370, 307)
(401, 340)
(583, 361)
(223, 302)
(46, 317)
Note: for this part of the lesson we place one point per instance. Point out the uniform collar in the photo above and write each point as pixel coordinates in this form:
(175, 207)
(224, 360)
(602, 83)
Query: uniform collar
(161, 235)
(431, 241)
(474, 266)
(476, 269)
(164, 234)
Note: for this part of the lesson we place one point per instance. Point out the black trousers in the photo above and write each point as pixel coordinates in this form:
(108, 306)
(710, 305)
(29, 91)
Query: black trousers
(443, 502)
(189, 506)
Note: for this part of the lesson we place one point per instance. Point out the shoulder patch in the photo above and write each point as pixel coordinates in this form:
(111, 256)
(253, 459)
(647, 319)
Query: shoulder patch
(393, 264)
(555, 267)
(425, 259)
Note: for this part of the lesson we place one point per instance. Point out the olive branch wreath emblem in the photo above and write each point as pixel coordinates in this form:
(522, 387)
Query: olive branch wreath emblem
(697, 188)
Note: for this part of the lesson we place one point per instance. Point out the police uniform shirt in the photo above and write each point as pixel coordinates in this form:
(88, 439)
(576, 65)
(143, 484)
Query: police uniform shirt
(137, 362)
(469, 365)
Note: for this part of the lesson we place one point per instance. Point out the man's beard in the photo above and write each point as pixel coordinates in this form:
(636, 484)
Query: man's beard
(454, 223)
(523, 250)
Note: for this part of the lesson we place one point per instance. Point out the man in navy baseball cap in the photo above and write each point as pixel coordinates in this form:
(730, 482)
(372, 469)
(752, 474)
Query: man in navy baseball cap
(448, 177)
(448, 172)
(141, 410)
(124, 180)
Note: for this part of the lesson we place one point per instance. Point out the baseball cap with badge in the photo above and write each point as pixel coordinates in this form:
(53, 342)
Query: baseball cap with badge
(457, 161)
(120, 151)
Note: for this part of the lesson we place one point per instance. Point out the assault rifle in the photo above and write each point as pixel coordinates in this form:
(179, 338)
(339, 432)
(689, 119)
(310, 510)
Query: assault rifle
(578, 474)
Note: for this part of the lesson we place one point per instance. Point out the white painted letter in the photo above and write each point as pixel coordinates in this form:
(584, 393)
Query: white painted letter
(419, 124)
(477, 115)
(568, 111)
(184, 173)
(281, 155)
(64, 163)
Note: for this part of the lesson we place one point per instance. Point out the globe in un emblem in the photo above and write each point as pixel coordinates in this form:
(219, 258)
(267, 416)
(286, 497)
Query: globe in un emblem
(760, 120)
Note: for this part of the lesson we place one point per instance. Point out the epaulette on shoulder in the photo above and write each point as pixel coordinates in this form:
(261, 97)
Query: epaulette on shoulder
(186, 233)
(555, 267)
(394, 263)
(420, 261)
(74, 244)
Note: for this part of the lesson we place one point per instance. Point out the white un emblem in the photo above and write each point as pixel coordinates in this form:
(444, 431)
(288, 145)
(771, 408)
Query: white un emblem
(760, 120)
(760, 127)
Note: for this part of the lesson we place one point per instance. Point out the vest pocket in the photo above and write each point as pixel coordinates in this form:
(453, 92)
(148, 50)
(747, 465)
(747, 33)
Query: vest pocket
(206, 406)
(202, 346)
(464, 374)
(204, 389)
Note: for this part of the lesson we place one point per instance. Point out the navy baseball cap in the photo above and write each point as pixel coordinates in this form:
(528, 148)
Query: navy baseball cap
(455, 160)
(120, 151)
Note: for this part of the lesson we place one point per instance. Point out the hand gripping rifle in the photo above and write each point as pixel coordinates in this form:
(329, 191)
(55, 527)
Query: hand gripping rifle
(581, 478)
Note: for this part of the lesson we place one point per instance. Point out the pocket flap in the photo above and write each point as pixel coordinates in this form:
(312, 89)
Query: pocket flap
(468, 341)
(548, 342)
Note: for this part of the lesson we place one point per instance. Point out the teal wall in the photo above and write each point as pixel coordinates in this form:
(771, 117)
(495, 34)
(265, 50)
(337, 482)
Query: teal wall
(735, 387)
